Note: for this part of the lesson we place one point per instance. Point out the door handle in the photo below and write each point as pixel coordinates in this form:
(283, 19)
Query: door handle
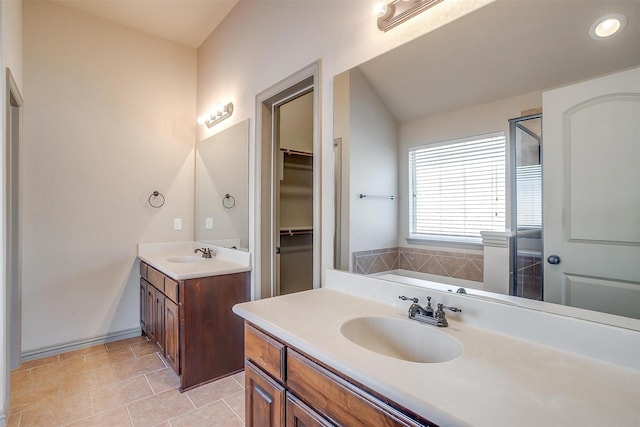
(277, 250)
(553, 259)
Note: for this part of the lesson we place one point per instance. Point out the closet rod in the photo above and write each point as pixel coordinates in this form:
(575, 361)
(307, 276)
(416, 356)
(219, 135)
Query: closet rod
(295, 232)
(362, 196)
(295, 152)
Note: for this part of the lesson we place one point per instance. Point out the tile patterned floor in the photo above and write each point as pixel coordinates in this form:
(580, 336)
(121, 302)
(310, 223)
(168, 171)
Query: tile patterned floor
(124, 383)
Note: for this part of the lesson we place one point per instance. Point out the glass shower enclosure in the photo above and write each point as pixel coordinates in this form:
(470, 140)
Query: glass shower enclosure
(526, 206)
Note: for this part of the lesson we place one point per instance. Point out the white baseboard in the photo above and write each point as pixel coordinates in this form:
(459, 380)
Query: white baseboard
(55, 349)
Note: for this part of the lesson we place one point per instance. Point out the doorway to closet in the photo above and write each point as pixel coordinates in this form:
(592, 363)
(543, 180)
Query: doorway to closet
(287, 182)
(294, 193)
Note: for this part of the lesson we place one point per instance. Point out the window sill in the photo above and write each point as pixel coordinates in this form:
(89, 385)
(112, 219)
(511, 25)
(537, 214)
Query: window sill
(446, 241)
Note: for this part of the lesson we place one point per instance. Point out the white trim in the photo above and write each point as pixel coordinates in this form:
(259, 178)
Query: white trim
(498, 239)
(55, 349)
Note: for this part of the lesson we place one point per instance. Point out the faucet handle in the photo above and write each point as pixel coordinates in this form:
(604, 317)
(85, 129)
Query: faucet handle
(454, 309)
(403, 298)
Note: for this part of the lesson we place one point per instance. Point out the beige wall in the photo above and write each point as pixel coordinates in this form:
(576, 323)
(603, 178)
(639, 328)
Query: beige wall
(222, 167)
(261, 43)
(373, 153)
(109, 117)
(11, 58)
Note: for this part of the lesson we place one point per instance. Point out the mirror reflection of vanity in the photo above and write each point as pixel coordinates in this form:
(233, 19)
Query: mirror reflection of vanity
(222, 188)
(467, 78)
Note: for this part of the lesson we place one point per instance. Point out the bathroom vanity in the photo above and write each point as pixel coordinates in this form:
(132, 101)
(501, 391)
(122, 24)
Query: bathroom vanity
(185, 309)
(347, 354)
(280, 379)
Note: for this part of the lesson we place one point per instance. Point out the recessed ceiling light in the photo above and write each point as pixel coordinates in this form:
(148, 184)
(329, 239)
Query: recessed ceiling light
(608, 26)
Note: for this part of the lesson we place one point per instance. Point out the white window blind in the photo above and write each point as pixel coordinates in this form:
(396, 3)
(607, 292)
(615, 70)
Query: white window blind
(529, 190)
(457, 188)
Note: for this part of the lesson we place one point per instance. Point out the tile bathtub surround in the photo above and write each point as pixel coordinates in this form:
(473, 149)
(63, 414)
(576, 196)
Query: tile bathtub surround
(460, 265)
(124, 383)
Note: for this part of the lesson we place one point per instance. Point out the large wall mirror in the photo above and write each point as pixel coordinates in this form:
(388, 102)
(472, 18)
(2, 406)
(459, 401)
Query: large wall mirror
(466, 79)
(222, 188)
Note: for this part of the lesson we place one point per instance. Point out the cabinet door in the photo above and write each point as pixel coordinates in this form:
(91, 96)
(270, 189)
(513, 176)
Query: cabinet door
(171, 328)
(300, 415)
(143, 305)
(150, 312)
(159, 318)
(264, 399)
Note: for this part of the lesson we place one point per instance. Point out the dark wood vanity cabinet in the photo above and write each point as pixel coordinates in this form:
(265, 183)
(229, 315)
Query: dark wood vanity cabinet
(284, 387)
(192, 323)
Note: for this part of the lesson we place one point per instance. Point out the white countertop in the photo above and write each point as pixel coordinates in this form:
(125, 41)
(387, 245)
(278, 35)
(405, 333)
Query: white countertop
(499, 380)
(225, 261)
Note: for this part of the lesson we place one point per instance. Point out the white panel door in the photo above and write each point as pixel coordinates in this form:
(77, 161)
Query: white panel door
(591, 188)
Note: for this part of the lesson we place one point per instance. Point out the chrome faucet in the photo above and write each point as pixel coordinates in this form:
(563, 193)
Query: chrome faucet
(426, 314)
(206, 252)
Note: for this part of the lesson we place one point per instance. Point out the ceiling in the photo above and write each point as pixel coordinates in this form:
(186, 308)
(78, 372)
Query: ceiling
(188, 22)
(504, 49)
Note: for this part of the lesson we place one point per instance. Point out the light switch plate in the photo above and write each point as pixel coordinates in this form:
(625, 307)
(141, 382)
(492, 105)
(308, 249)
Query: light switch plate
(208, 223)
(177, 223)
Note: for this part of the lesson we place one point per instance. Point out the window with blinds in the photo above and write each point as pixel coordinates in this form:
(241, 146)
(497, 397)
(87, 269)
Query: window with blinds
(529, 189)
(457, 188)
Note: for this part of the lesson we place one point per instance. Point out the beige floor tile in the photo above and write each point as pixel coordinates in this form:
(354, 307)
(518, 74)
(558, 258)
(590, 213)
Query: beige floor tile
(209, 393)
(239, 377)
(59, 412)
(236, 403)
(120, 393)
(86, 381)
(128, 341)
(100, 348)
(38, 362)
(118, 354)
(121, 384)
(217, 414)
(20, 380)
(72, 365)
(34, 396)
(163, 380)
(138, 366)
(158, 408)
(49, 373)
(13, 420)
(143, 348)
(116, 417)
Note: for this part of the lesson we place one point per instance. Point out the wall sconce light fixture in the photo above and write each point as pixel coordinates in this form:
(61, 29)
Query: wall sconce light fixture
(218, 114)
(396, 12)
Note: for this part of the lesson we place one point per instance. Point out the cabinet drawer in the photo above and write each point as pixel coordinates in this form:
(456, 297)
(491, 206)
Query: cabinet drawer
(155, 278)
(171, 289)
(336, 399)
(264, 351)
(143, 270)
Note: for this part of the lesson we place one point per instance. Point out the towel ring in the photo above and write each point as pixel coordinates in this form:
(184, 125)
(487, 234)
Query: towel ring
(229, 201)
(153, 198)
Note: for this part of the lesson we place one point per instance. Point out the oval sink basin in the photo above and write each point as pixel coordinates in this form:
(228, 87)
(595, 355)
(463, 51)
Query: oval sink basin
(188, 258)
(402, 339)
